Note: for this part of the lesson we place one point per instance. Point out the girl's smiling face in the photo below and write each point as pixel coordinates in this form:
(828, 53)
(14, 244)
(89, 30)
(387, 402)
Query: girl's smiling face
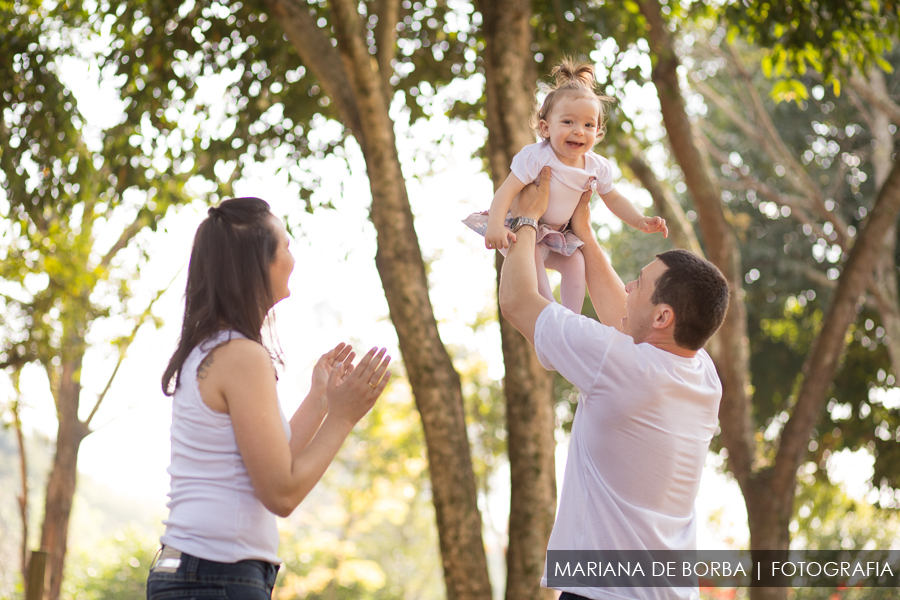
(572, 127)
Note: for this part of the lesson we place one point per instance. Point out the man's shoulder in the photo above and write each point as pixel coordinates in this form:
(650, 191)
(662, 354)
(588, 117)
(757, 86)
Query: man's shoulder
(556, 318)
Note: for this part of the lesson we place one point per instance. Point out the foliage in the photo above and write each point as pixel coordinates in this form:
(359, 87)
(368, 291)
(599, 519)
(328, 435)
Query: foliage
(367, 530)
(74, 201)
(63, 194)
(485, 415)
(791, 262)
(274, 108)
(822, 36)
(828, 519)
(39, 450)
(115, 569)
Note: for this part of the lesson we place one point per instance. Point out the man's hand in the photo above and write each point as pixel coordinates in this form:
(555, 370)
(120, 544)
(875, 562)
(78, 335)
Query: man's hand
(533, 199)
(580, 223)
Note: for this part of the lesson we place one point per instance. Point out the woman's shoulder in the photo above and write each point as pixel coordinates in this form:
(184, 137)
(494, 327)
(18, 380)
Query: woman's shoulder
(241, 350)
(232, 354)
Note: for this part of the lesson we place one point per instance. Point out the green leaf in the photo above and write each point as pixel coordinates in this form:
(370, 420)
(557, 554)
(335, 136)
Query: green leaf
(884, 65)
(767, 66)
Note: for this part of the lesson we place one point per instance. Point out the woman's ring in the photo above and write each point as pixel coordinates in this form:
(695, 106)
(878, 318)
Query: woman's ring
(372, 385)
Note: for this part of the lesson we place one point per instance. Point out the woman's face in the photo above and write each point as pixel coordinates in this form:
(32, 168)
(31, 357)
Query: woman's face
(281, 266)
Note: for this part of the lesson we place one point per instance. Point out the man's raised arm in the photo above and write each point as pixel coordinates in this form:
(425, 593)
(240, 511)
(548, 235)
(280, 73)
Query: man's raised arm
(603, 283)
(520, 301)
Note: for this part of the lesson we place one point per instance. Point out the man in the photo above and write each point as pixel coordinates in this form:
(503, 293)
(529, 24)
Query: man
(649, 393)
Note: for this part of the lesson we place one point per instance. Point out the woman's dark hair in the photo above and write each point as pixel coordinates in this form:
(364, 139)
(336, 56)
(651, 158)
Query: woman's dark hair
(228, 283)
(698, 294)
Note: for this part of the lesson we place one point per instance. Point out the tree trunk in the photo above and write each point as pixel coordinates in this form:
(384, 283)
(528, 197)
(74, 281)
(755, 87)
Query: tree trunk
(23, 474)
(732, 351)
(769, 515)
(434, 381)
(768, 492)
(61, 484)
(887, 297)
(884, 284)
(510, 81)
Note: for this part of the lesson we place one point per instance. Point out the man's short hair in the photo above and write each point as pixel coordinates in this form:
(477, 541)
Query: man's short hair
(698, 294)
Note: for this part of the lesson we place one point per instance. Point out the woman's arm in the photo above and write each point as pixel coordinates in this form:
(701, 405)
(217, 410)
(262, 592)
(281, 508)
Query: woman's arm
(243, 376)
(309, 415)
(497, 235)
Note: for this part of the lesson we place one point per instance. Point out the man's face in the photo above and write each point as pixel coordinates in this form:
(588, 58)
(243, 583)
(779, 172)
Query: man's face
(639, 310)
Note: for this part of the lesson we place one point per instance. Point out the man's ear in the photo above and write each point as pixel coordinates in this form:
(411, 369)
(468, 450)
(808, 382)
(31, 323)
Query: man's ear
(663, 316)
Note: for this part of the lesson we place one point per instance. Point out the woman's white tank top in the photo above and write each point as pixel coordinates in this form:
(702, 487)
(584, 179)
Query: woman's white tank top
(214, 513)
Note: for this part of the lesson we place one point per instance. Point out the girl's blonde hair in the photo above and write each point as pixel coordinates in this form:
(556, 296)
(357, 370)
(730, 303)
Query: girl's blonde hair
(572, 78)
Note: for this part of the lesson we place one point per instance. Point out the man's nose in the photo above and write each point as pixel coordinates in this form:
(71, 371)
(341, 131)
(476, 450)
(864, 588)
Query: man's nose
(629, 286)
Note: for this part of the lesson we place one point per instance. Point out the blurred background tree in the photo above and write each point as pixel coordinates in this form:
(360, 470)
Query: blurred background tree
(74, 210)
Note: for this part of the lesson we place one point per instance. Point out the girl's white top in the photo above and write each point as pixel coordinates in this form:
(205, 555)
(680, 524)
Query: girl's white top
(214, 513)
(566, 183)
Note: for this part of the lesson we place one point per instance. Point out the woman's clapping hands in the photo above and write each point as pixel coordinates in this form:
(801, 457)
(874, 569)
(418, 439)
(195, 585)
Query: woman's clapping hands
(351, 391)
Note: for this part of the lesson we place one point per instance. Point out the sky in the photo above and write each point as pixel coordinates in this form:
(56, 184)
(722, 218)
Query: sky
(335, 296)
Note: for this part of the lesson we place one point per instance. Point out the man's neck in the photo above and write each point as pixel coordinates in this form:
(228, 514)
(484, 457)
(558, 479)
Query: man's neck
(668, 344)
(676, 350)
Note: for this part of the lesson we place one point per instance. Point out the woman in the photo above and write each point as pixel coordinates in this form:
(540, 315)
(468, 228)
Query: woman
(236, 460)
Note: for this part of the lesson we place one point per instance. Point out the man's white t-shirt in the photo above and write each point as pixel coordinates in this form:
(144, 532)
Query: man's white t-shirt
(641, 432)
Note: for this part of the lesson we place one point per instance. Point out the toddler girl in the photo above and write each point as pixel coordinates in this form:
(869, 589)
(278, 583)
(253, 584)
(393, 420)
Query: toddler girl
(569, 122)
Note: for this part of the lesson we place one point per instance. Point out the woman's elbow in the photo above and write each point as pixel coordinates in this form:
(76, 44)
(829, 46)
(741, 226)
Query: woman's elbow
(280, 504)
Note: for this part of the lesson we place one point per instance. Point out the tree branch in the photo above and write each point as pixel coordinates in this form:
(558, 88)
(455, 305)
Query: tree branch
(123, 345)
(351, 39)
(877, 97)
(746, 182)
(319, 56)
(23, 472)
(132, 230)
(388, 13)
(771, 142)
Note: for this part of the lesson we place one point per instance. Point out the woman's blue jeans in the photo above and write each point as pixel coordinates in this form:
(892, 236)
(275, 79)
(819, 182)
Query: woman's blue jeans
(199, 578)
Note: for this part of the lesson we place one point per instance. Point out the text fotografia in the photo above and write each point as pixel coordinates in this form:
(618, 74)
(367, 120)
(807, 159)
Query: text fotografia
(723, 568)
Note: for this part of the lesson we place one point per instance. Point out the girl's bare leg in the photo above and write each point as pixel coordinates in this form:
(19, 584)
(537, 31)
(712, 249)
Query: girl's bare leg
(571, 289)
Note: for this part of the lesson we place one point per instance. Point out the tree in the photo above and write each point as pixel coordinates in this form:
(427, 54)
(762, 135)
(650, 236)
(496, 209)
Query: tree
(58, 189)
(509, 101)
(295, 65)
(774, 177)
